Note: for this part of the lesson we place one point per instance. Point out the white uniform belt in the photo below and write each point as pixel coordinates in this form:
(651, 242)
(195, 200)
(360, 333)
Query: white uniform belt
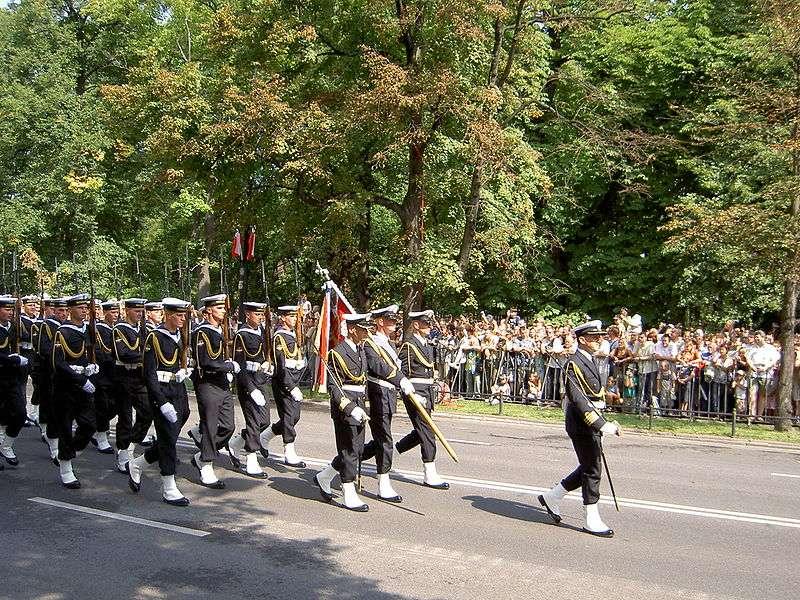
(77, 369)
(599, 404)
(252, 366)
(291, 363)
(421, 380)
(165, 376)
(350, 387)
(127, 366)
(382, 382)
(26, 345)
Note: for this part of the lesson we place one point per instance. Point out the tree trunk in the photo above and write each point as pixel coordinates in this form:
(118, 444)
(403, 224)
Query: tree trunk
(471, 216)
(412, 216)
(361, 295)
(209, 235)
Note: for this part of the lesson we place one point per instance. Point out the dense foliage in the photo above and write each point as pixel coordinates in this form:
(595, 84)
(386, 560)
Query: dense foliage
(561, 155)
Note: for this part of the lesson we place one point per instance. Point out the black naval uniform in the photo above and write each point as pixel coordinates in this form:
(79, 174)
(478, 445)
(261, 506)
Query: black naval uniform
(104, 396)
(214, 398)
(72, 403)
(45, 336)
(249, 352)
(130, 386)
(161, 361)
(417, 359)
(289, 366)
(348, 370)
(383, 378)
(26, 349)
(12, 398)
(583, 418)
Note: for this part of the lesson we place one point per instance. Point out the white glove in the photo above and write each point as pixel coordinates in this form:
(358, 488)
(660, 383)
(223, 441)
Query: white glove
(610, 428)
(236, 367)
(359, 415)
(258, 397)
(91, 369)
(229, 377)
(88, 387)
(267, 368)
(297, 394)
(169, 412)
(406, 386)
(182, 375)
(23, 362)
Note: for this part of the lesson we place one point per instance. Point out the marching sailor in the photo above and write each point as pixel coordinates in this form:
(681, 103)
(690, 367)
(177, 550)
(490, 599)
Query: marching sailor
(55, 315)
(129, 380)
(154, 314)
(585, 426)
(75, 402)
(212, 380)
(29, 322)
(13, 372)
(104, 395)
(289, 366)
(384, 376)
(253, 387)
(164, 377)
(417, 358)
(347, 368)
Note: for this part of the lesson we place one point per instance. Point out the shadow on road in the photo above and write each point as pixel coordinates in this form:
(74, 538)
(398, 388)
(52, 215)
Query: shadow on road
(515, 510)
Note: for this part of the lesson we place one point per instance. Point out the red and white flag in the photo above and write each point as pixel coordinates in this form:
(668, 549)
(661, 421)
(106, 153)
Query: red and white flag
(330, 330)
(236, 245)
(250, 250)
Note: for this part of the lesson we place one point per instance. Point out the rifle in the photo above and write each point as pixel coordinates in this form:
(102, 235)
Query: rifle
(186, 337)
(58, 281)
(41, 296)
(226, 330)
(92, 343)
(143, 332)
(267, 317)
(18, 303)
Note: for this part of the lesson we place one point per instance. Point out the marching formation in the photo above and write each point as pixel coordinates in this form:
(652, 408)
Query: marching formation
(91, 362)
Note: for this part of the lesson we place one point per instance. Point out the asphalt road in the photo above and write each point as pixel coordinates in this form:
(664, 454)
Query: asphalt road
(698, 519)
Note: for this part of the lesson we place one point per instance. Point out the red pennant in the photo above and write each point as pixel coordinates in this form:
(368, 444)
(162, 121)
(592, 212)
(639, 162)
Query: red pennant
(236, 245)
(250, 252)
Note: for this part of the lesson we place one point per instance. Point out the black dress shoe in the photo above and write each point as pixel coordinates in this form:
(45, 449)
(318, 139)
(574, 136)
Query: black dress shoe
(325, 495)
(2, 467)
(179, 502)
(608, 533)
(438, 486)
(393, 499)
(360, 508)
(260, 475)
(217, 485)
(73, 485)
(55, 461)
(265, 453)
(234, 459)
(11, 461)
(135, 487)
(554, 516)
(297, 465)
(147, 443)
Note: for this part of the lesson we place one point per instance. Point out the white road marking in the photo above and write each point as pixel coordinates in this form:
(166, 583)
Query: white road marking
(119, 517)
(679, 509)
(470, 442)
(785, 475)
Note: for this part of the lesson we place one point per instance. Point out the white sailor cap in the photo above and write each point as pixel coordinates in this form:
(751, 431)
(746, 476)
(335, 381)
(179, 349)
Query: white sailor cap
(357, 320)
(388, 312)
(216, 300)
(56, 302)
(589, 328)
(135, 302)
(258, 307)
(425, 316)
(175, 305)
(8, 301)
(110, 304)
(30, 299)
(79, 300)
(154, 305)
(287, 309)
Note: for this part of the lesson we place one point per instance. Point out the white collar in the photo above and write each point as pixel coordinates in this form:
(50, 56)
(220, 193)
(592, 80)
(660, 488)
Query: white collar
(103, 324)
(7, 326)
(75, 327)
(352, 344)
(422, 340)
(161, 329)
(207, 325)
(380, 338)
(585, 353)
(129, 326)
(245, 328)
(285, 330)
